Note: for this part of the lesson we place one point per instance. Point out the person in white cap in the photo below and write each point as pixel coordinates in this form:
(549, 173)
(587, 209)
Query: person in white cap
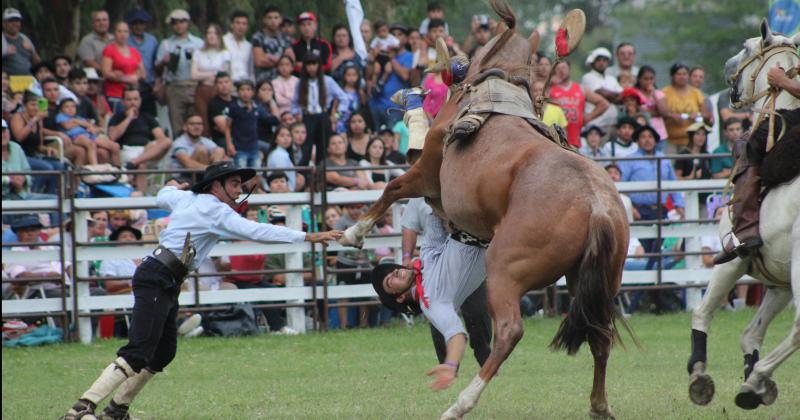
(174, 59)
(599, 81)
(19, 53)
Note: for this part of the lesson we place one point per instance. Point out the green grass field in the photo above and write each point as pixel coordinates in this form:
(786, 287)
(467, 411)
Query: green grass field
(379, 374)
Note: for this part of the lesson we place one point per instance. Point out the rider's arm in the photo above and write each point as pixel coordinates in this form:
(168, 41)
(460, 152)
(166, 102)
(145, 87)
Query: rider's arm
(777, 77)
(409, 244)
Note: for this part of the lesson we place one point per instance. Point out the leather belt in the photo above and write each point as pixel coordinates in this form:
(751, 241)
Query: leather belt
(173, 264)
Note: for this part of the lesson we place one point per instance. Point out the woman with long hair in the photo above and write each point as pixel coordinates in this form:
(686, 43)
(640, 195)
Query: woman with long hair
(343, 53)
(681, 106)
(646, 83)
(376, 156)
(213, 58)
(121, 65)
(316, 103)
(358, 135)
(281, 157)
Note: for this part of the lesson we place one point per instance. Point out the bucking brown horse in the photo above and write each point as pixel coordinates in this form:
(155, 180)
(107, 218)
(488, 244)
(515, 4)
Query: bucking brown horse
(547, 211)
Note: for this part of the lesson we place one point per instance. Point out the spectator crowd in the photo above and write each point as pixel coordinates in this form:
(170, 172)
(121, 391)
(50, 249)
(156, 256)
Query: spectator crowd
(287, 97)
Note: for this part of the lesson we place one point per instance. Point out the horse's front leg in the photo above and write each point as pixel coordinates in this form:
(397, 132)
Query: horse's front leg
(409, 185)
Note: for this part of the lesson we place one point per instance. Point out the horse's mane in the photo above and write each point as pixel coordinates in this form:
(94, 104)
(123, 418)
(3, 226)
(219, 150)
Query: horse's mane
(507, 14)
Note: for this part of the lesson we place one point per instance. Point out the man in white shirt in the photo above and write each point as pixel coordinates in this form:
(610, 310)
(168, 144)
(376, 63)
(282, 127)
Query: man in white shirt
(450, 272)
(599, 81)
(198, 219)
(626, 57)
(240, 48)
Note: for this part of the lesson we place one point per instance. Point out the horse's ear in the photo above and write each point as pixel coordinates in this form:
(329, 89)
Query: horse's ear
(533, 41)
(766, 33)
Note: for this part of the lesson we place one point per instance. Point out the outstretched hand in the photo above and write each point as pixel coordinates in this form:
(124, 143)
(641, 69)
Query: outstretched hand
(324, 237)
(444, 376)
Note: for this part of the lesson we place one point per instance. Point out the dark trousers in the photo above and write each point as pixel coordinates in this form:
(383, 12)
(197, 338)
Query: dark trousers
(477, 323)
(153, 335)
(650, 245)
(318, 129)
(273, 315)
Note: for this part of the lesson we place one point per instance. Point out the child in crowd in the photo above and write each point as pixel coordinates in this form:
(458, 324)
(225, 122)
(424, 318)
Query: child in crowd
(281, 157)
(632, 101)
(355, 95)
(626, 79)
(383, 47)
(299, 135)
(593, 146)
(241, 134)
(287, 118)
(83, 132)
(285, 85)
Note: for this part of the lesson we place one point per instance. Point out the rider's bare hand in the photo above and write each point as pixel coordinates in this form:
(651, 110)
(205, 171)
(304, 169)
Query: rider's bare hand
(320, 237)
(444, 376)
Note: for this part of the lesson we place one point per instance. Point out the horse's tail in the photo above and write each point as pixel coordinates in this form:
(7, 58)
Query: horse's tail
(505, 12)
(592, 314)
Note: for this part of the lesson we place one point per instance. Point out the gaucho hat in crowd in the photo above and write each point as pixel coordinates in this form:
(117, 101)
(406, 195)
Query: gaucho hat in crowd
(29, 221)
(644, 128)
(115, 234)
(220, 171)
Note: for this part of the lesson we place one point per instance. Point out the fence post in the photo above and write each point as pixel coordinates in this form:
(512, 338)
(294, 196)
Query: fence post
(295, 317)
(81, 271)
(693, 294)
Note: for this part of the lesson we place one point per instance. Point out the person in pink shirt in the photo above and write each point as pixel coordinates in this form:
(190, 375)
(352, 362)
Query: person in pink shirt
(438, 94)
(646, 83)
(121, 65)
(285, 85)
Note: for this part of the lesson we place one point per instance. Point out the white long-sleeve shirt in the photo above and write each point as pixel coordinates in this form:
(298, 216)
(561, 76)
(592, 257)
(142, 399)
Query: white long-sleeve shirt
(209, 219)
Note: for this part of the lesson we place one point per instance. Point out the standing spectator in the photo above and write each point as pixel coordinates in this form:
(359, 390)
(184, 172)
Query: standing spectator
(240, 48)
(351, 179)
(681, 106)
(366, 31)
(120, 268)
(27, 130)
(280, 157)
(79, 85)
(481, 33)
(241, 136)
(316, 102)
(344, 56)
(175, 54)
(599, 81)
(553, 114)
(645, 204)
(419, 54)
(646, 83)
(400, 65)
(376, 156)
(725, 111)
(288, 28)
(265, 98)
(356, 97)
(139, 135)
(90, 50)
(623, 144)
(61, 66)
(382, 48)
(358, 136)
(193, 151)
(697, 78)
(434, 11)
(121, 65)
(731, 131)
(207, 62)
(594, 147)
(285, 85)
(626, 61)
(218, 106)
(543, 68)
(270, 44)
(572, 98)
(697, 168)
(147, 45)
(19, 53)
(310, 44)
(632, 106)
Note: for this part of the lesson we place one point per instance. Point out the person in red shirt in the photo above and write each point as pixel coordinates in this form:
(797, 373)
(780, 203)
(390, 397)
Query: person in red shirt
(309, 42)
(121, 65)
(571, 97)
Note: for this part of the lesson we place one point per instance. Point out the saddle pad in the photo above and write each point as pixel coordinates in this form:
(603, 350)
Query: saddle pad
(497, 96)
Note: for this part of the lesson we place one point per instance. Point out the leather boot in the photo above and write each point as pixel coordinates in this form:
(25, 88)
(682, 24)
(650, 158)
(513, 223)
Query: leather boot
(746, 205)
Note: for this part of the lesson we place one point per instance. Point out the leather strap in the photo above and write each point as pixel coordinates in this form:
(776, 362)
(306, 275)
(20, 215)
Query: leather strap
(174, 265)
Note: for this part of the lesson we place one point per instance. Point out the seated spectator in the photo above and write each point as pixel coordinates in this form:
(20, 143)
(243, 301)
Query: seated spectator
(193, 151)
(710, 245)
(118, 219)
(27, 129)
(350, 178)
(622, 144)
(285, 85)
(358, 136)
(265, 98)
(288, 119)
(553, 114)
(12, 101)
(241, 135)
(45, 71)
(616, 175)
(16, 187)
(280, 157)
(140, 136)
(207, 62)
(121, 65)
(594, 147)
(120, 268)
(731, 131)
(79, 85)
(390, 149)
(62, 65)
(19, 53)
(299, 136)
(82, 150)
(632, 102)
(94, 93)
(400, 131)
(697, 168)
(331, 216)
(376, 157)
(218, 108)
(98, 226)
(81, 131)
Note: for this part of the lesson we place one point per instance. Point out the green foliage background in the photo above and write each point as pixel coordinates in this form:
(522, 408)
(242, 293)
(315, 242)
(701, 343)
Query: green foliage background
(698, 32)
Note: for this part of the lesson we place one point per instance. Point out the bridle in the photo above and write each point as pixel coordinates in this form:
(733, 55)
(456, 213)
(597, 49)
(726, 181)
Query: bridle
(763, 56)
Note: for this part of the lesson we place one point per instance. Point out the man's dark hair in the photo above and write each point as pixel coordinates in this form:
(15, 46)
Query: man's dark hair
(192, 115)
(277, 175)
(76, 74)
(239, 14)
(378, 24)
(297, 124)
(271, 8)
(62, 57)
(730, 121)
(435, 23)
(38, 66)
(433, 6)
(614, 166)
(130, 88)
(29, 96)
(694, 69)
(245, 82)
(48, 81)
(624, 44)
(221, 75)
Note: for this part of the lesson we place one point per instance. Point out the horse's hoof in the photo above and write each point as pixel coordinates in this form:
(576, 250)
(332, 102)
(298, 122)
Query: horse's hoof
(770, 392)
(449, 415)
(701, 388)
(605, 414)
(748, 398)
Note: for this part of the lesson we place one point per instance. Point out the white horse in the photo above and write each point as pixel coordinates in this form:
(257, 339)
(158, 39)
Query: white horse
(778, 266)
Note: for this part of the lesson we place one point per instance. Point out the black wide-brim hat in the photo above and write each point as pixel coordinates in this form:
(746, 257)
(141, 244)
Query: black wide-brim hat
(387, 299)
(644, 128)
(26, 222)
(220, 171)
(115, 234)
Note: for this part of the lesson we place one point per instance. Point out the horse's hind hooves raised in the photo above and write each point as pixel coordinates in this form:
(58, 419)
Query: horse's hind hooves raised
(701, 388)
(770, 393)
(748, 398)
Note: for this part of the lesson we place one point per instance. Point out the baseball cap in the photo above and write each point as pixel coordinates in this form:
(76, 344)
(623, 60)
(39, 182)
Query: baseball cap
(11, 13)
(306, 16)
(597, 53)
(138, 15)
(178, 14)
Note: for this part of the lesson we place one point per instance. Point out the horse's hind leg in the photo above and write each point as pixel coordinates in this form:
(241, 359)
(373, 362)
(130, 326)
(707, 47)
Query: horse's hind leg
(753, 336)
(599, 399)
